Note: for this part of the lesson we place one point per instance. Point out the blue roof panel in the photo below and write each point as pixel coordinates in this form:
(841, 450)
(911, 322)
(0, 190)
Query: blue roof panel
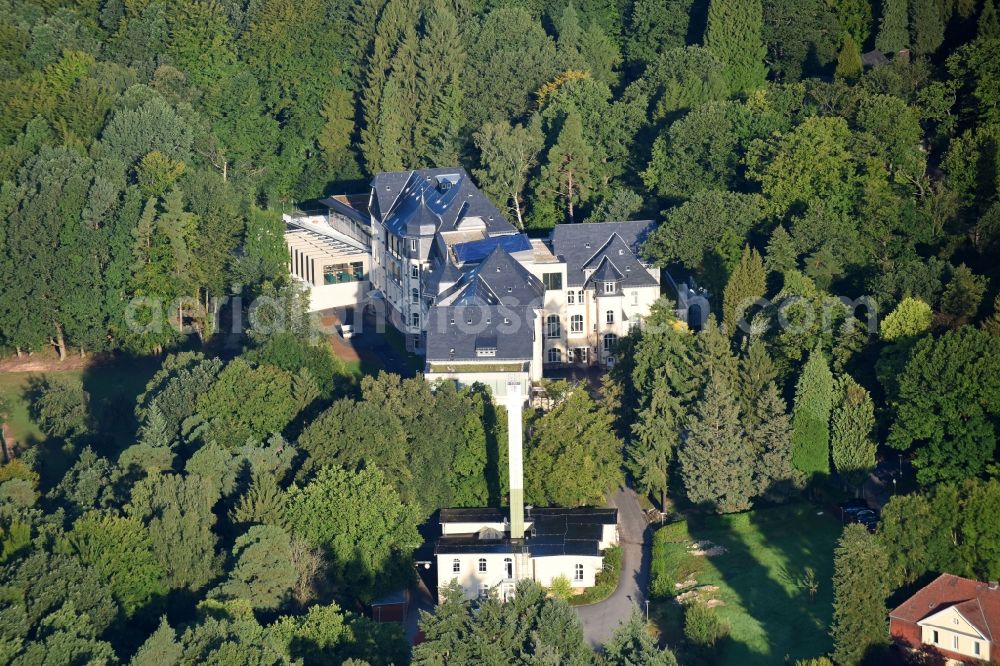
(475, 251)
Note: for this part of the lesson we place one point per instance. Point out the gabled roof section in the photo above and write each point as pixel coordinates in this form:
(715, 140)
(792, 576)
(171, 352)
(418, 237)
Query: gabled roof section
(455, 333)
(977, 602)
(585, 246)
(447, 194)
(606, 272)
(499, 278)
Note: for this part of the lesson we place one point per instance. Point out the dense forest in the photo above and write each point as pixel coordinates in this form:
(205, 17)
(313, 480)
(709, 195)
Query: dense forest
(258, 500)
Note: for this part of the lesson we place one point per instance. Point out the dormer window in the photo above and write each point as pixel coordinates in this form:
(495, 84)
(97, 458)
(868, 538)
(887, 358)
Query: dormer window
(621, 252)
(609, 287)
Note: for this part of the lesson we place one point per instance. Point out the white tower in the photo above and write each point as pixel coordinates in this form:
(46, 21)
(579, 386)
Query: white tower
(515, 405)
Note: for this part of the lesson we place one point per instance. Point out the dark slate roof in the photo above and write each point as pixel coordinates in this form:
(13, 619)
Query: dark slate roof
(606, 272)
(445, 273)
(586, 246)
(513, 341)
(447, 196)
(873, 58)
(554, 531)
(476, 251)
(497, 279)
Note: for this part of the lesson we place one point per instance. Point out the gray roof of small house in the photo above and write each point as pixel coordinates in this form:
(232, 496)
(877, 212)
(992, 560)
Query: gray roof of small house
(425, 201)
(586, 246)
(451, 338)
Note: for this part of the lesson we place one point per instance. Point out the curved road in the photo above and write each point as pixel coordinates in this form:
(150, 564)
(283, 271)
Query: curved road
(601, 619)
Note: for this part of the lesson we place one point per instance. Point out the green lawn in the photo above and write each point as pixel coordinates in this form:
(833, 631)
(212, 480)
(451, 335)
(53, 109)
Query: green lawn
(113, 387)
(761, 581)
(12, 387)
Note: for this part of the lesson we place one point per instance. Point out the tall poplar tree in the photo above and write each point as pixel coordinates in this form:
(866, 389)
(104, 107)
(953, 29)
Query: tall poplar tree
(851, 427)
(811, 417)
(735, 36)
(860, 587)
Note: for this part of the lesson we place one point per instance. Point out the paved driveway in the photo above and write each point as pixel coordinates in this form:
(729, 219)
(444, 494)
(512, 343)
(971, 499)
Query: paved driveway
(601, 619)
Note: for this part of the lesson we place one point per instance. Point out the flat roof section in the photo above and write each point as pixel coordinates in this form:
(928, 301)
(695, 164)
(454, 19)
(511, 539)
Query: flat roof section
(320, 245)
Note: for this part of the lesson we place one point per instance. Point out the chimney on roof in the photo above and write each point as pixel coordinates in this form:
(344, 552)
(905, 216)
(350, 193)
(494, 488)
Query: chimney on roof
(515, 403)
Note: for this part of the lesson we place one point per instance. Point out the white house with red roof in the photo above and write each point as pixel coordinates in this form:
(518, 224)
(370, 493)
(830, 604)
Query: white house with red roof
(956, 617)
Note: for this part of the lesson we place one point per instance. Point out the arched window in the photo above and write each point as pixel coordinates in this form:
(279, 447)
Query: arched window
(415, 319)
(609, 316)
(414, 295)
(552, 326)
(508, 567)
(578, 572)
(610, 339)
(456, 565)
(555, 355)
(482, 565)
(576, 324)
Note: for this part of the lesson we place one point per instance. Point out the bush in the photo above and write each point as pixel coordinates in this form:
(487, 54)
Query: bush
(606, 581)
(561, 588)
(702, 626)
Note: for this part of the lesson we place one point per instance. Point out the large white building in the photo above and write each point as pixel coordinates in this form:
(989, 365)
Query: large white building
(481, 301)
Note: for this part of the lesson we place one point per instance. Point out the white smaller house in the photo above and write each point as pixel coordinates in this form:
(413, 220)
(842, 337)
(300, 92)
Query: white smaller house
(477, 551)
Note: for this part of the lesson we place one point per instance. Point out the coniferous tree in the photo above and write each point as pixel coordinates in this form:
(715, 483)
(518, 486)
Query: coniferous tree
(811, 417)
(735, 36)
(747, 283)
(769, 435)
(860, 588)
(989, 21)
(438, 111)
(893, 33)
(849, 64)
(716, 459)
(568, 173)
(851, 427)
(632, 644)
(926, 26)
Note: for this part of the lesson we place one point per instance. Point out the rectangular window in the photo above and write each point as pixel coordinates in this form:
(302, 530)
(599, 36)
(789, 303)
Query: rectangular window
(576, 324)
(482, 565)
(415, 319)
(416, 342)
(954, 642)
(552, 280)
(975, 648)
(570, 297)
(934, 638)
(415, 272)
(635, 298)
(579, 297)
(609, 316)
(578, 572)
(553, 327)
(609, 287)
(456, 566)
(414, 244)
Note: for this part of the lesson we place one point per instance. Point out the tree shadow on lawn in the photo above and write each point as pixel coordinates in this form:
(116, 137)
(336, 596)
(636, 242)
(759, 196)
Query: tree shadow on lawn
(773, 612)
